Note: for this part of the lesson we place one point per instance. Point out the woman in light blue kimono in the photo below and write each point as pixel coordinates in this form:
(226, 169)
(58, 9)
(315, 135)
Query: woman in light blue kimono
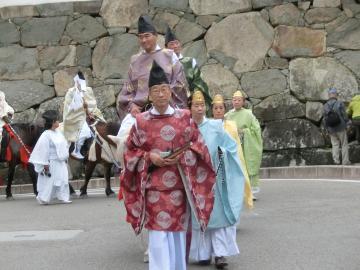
(219, 240)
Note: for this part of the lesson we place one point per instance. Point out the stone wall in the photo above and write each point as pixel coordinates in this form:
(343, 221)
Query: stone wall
(283, 54)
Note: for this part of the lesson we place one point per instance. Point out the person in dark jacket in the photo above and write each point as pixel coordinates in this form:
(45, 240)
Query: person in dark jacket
(336, 120)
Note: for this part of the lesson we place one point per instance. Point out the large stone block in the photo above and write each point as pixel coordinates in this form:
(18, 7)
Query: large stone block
(164, 19)
(346, 36)
(351, 7)
(321, 15)
(105, 96)
(287, 14)
(17, 63)
(326, 3)
(291, 133)
(122, 13)
(85, 29)
(18, 12)
(56, 104)
(207, 20)
(256, 4)
(314, 111)
(25, 117)
(57, 57)
(26, 93)
(187, 31)
(83, 56)
(8, 34)
(197, 50)
(207, 7)
(89, 7)
(56, 9)
(220, 80)
(310, 79)
(292, 41)
(111, 56)
(264, 83)
(110, 114)
(248, 44)
(64, 79)
(350, 59)
(278, 107)
(42, 31)
(170, 4)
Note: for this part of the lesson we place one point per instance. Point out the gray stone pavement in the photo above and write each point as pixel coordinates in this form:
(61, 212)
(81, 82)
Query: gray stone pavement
(310, 225)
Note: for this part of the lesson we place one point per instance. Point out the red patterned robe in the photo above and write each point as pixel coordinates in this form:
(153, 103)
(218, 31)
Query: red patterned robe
(159, 199)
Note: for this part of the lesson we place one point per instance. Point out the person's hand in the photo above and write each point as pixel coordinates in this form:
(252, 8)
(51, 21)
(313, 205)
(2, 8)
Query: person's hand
(6, 119)
(134, 109)
(171, 161)
(157, 160)
(85, 105)
(46, 168)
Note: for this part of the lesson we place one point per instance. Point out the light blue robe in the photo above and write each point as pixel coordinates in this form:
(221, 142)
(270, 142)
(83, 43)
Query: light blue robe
(229, 187)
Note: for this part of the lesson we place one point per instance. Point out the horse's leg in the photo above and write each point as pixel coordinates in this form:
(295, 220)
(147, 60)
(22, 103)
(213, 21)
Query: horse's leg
(89, 169)
(33, 177)
(11, 173)
(107, 171)
(72, 190)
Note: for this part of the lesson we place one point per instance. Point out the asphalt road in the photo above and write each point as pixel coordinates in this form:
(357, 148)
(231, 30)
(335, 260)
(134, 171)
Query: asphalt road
(310, 225)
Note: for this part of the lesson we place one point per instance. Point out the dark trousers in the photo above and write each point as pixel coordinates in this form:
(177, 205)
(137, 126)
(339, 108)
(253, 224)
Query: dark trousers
(356, 124)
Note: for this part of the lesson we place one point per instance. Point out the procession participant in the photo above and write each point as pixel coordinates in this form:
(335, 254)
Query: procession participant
(353, 112)
(166, 168)
(79, 104)
(191, 69)
(6, 113)
(49, 157)
(218, 111)
(219, 240)
(249, 131)
(134, 94)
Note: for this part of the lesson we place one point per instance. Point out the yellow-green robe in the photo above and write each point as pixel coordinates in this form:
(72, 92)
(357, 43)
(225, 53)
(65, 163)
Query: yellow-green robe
(250, 135)
(230, 128)
(73, 120)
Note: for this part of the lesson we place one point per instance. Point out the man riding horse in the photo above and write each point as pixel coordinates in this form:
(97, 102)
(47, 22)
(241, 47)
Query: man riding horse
(6, 112)
(80, 104)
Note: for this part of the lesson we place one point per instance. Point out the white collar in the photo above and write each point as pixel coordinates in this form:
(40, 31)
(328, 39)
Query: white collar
(180, 56)
(157, 48)
(169, 110)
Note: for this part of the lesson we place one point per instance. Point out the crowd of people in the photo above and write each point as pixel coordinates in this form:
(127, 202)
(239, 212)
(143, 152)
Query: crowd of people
(183, 173)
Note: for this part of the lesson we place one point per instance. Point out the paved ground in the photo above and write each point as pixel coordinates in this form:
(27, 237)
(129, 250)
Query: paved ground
(310, 225)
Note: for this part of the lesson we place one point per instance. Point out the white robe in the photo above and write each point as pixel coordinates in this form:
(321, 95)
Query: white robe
(5, 109)
(167, 250)
(219, 242)
(51, 149)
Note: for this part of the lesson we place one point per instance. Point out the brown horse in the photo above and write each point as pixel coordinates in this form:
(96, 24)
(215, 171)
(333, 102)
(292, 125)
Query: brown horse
(14, 153)
(100, 153)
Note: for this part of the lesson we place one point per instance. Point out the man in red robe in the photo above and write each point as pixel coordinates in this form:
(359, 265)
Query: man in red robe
(167, 168)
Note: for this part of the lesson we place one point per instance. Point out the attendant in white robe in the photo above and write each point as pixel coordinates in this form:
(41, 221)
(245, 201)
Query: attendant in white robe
(49, 157)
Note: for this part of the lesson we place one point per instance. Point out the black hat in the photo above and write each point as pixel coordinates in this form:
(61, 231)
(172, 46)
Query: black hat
(50, 116)
(169, 36)
(157, 75)
(81, 75)
(145, 25)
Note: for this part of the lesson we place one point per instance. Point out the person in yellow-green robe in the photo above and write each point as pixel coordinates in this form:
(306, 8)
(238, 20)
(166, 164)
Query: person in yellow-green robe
(250, 135)
(218, 111)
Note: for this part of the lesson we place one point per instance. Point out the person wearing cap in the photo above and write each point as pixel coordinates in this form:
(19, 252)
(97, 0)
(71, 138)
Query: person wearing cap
(134, 95)
(249, 131)
(49, 157)
(353, 112)
(167, 168)
(219, 239)
(335, 121)
(79, 105)
(6, 113)
(191, 69)
(218, 112)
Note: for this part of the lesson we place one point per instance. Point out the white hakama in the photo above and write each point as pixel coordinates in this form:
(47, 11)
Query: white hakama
(167, 250)
(51, 149)
(219, 242)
